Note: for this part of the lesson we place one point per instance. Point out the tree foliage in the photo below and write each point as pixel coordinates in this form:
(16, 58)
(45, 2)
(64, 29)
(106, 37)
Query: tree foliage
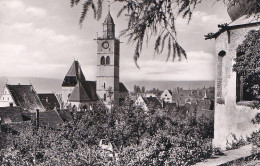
(158, 137)
(248, 62)
(147, 18)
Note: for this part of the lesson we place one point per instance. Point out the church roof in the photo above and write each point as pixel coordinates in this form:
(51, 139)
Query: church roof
(73, 75)
(122, 87)
(109, 19)
(49, 101)
(25, 97)
(84, 91)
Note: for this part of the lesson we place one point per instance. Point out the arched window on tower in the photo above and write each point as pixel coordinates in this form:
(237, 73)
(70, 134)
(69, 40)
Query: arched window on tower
(108, 60)
(102, 60)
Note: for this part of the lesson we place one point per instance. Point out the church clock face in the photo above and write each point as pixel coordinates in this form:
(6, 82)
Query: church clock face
(105, 45)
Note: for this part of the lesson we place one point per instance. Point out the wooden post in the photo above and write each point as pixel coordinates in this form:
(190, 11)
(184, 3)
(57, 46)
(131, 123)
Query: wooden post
(37, 119)
(241, 93)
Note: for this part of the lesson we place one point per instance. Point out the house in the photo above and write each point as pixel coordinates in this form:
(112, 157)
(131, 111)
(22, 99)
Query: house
(23, 96)
(49, 101)
(233, 103)
(146, 103)
(166, 96)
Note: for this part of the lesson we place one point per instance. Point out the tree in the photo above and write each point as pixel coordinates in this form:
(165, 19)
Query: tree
(155, 17)
(248, 64)
(143, 89)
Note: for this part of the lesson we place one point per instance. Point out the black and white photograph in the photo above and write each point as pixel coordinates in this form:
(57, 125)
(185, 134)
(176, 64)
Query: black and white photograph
(130, 82)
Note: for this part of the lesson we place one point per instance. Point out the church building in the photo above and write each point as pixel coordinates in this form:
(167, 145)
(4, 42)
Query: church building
(77, 93)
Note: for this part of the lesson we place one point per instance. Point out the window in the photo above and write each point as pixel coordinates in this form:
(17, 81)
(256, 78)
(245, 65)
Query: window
(102, 60)
(108, 60)
(246, 88)
(104, 85)
(3, 98)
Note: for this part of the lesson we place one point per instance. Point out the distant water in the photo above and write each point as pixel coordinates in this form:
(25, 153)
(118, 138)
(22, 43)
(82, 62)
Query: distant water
(41, 85)
(47, 85)
(162, 85)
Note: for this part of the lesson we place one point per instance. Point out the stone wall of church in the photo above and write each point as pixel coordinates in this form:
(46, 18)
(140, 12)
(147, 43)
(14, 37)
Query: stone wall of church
(66, 91)
(231, 119)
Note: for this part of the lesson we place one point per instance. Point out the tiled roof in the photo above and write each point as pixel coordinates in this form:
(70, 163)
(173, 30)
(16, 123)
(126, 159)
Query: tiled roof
(25, 97)
(65, 115)
(50, 118)
(12, 113)
(74, 75)
(170, 92)
(122, 87)
(47, 118)
(152, 100)
(84, 91)
(49, 101)
(169, 105)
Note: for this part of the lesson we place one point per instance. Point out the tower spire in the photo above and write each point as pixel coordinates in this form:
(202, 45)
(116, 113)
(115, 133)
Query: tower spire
(108, 25)
(108, 6)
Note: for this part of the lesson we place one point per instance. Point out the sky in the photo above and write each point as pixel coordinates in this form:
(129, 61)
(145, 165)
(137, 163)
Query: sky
(41, 38)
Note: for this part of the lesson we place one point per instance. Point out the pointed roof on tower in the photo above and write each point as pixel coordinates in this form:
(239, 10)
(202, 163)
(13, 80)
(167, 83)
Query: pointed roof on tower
(109, 19)
(74, 75)
(75, 71)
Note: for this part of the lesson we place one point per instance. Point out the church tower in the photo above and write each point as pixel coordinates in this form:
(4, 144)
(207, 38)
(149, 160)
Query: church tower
(108, 63)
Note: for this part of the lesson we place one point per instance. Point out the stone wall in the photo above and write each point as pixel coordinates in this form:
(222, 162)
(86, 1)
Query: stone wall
(231, 119)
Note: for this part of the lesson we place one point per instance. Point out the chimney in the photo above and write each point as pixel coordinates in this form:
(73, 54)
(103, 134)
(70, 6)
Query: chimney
(37, 119)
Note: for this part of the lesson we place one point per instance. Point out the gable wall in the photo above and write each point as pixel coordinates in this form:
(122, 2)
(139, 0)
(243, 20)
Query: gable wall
(6, 98)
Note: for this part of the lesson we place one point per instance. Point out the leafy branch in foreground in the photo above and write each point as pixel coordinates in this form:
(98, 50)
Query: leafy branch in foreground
(147, 18)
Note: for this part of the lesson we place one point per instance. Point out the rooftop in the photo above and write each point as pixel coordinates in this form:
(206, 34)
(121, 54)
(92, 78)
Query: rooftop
(25, 97)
